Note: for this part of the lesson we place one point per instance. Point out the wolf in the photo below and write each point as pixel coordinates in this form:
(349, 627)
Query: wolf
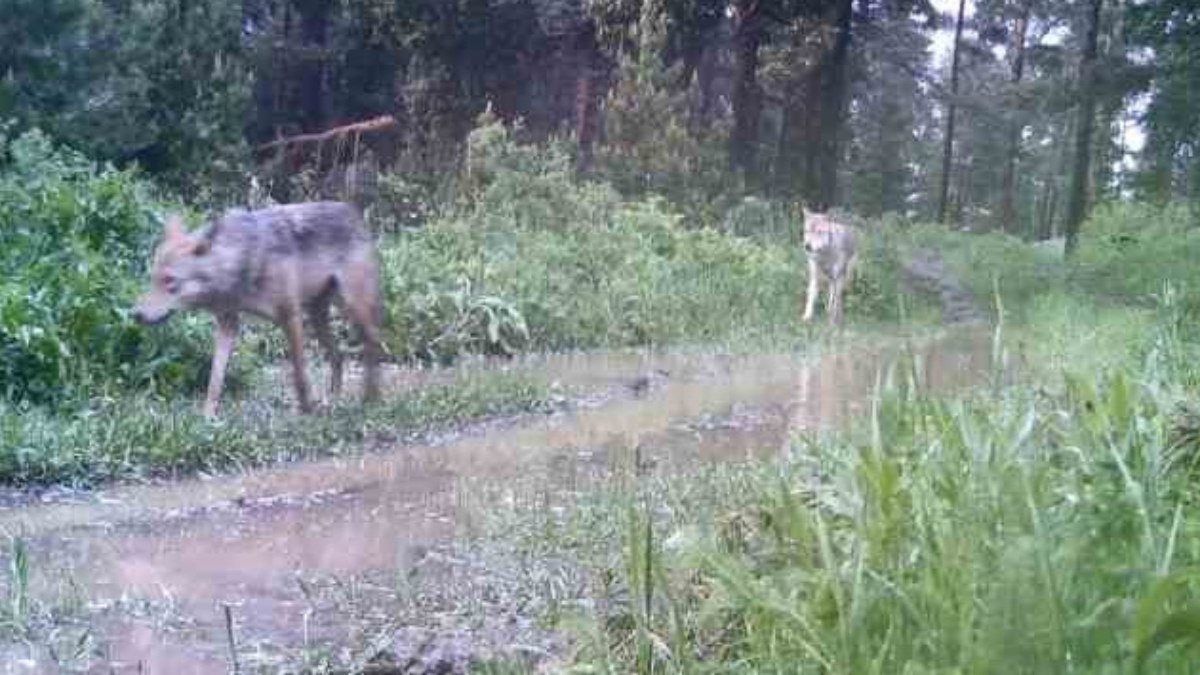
(276, 263)
(832, 250)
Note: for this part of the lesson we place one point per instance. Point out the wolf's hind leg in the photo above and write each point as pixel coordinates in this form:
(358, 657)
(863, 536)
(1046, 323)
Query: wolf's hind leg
(363, 302)
(318, 312)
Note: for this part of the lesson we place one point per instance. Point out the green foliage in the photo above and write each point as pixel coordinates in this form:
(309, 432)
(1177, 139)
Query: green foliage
(649, 147)
(1171, 29)
(509, 184)
(875, 289)
(936, 537)
(158, 82)
(402, 202)
(38, 52)
(635, 277)
(984, 261)
(74, 241)
(758, 217)
(135, 438)
(535, 258)
(1127, 251)
(445, 318)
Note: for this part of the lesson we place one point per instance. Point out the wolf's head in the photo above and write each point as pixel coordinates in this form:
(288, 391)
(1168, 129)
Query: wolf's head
(178, 278)
(818, 231)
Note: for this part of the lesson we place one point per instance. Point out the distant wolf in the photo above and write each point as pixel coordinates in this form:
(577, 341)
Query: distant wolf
(277, 263)
(832, 249)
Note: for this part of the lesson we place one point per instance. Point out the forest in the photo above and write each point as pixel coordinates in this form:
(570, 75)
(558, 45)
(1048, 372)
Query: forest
(608, 442)
(1017, 120)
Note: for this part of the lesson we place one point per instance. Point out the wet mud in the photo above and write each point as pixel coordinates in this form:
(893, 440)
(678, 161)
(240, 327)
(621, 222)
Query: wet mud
(156, 566)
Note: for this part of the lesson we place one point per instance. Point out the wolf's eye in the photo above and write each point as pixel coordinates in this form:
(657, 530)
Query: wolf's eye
(170, 283)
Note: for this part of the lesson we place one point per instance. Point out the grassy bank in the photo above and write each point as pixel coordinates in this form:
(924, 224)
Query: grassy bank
(1047, 525)
(139, 438)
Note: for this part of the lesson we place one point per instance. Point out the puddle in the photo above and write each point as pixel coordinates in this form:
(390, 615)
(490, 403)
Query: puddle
(247, 540)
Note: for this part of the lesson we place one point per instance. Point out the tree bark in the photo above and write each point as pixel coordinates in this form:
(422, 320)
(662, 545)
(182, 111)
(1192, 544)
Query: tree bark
(747, 99)
(948, 142)
(834, 87)
(314, 34)
(815, 115)
(1077, 202)
(1109, 149)
(1016, 124)
(586, 99)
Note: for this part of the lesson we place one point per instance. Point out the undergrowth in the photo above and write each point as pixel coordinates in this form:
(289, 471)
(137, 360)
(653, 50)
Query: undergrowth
(1047, 525)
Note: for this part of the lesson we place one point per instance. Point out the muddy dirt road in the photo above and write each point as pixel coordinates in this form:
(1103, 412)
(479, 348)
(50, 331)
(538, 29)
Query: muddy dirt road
(150, 570)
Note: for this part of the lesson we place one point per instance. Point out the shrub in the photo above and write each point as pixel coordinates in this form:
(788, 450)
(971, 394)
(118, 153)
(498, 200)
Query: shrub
(1127, 251)
(74, 239)
(758, 217)
(628, 275)
(531, 256)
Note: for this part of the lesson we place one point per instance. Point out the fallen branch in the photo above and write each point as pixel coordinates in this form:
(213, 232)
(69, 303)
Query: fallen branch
(383, 122)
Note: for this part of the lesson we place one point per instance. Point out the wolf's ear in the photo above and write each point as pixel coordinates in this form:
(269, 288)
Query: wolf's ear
(807, 214)
(204, 241)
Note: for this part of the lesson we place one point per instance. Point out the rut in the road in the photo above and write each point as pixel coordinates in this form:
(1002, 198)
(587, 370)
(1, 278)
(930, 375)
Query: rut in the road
(927, 272)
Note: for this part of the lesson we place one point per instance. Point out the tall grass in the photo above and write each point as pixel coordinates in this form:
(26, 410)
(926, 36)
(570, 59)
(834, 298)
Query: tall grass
(1024, 529)
(137, 439)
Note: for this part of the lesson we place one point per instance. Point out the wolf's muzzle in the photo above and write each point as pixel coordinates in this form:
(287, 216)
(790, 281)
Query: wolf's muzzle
(149, 319)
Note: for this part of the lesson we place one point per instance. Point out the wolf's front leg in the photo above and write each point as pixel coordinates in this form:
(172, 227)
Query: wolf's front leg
(293, 325)
(810, 304)
(226, 338)
(837, 290)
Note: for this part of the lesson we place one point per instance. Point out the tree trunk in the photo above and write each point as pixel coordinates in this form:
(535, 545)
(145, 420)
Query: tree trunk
(948, 142)
(700, 62)
(834, 87)
(747, 99)
(1110, 148)
(1077, 202)
(314, 34)
(586, 99)
(816, 114)
(1008, 186)
(706, 78)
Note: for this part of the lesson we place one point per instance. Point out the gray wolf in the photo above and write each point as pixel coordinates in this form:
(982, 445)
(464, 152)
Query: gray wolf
(277, 263)
(832, 250)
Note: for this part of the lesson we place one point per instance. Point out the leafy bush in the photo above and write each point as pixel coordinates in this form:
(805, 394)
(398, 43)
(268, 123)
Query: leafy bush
(512, 185)
(632, 276)
(532, 256)
(758, 217)
(1127, 251)
(74, 240)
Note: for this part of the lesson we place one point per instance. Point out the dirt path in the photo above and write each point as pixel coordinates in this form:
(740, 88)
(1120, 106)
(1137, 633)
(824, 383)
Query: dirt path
(153, 567)
(147, 572)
